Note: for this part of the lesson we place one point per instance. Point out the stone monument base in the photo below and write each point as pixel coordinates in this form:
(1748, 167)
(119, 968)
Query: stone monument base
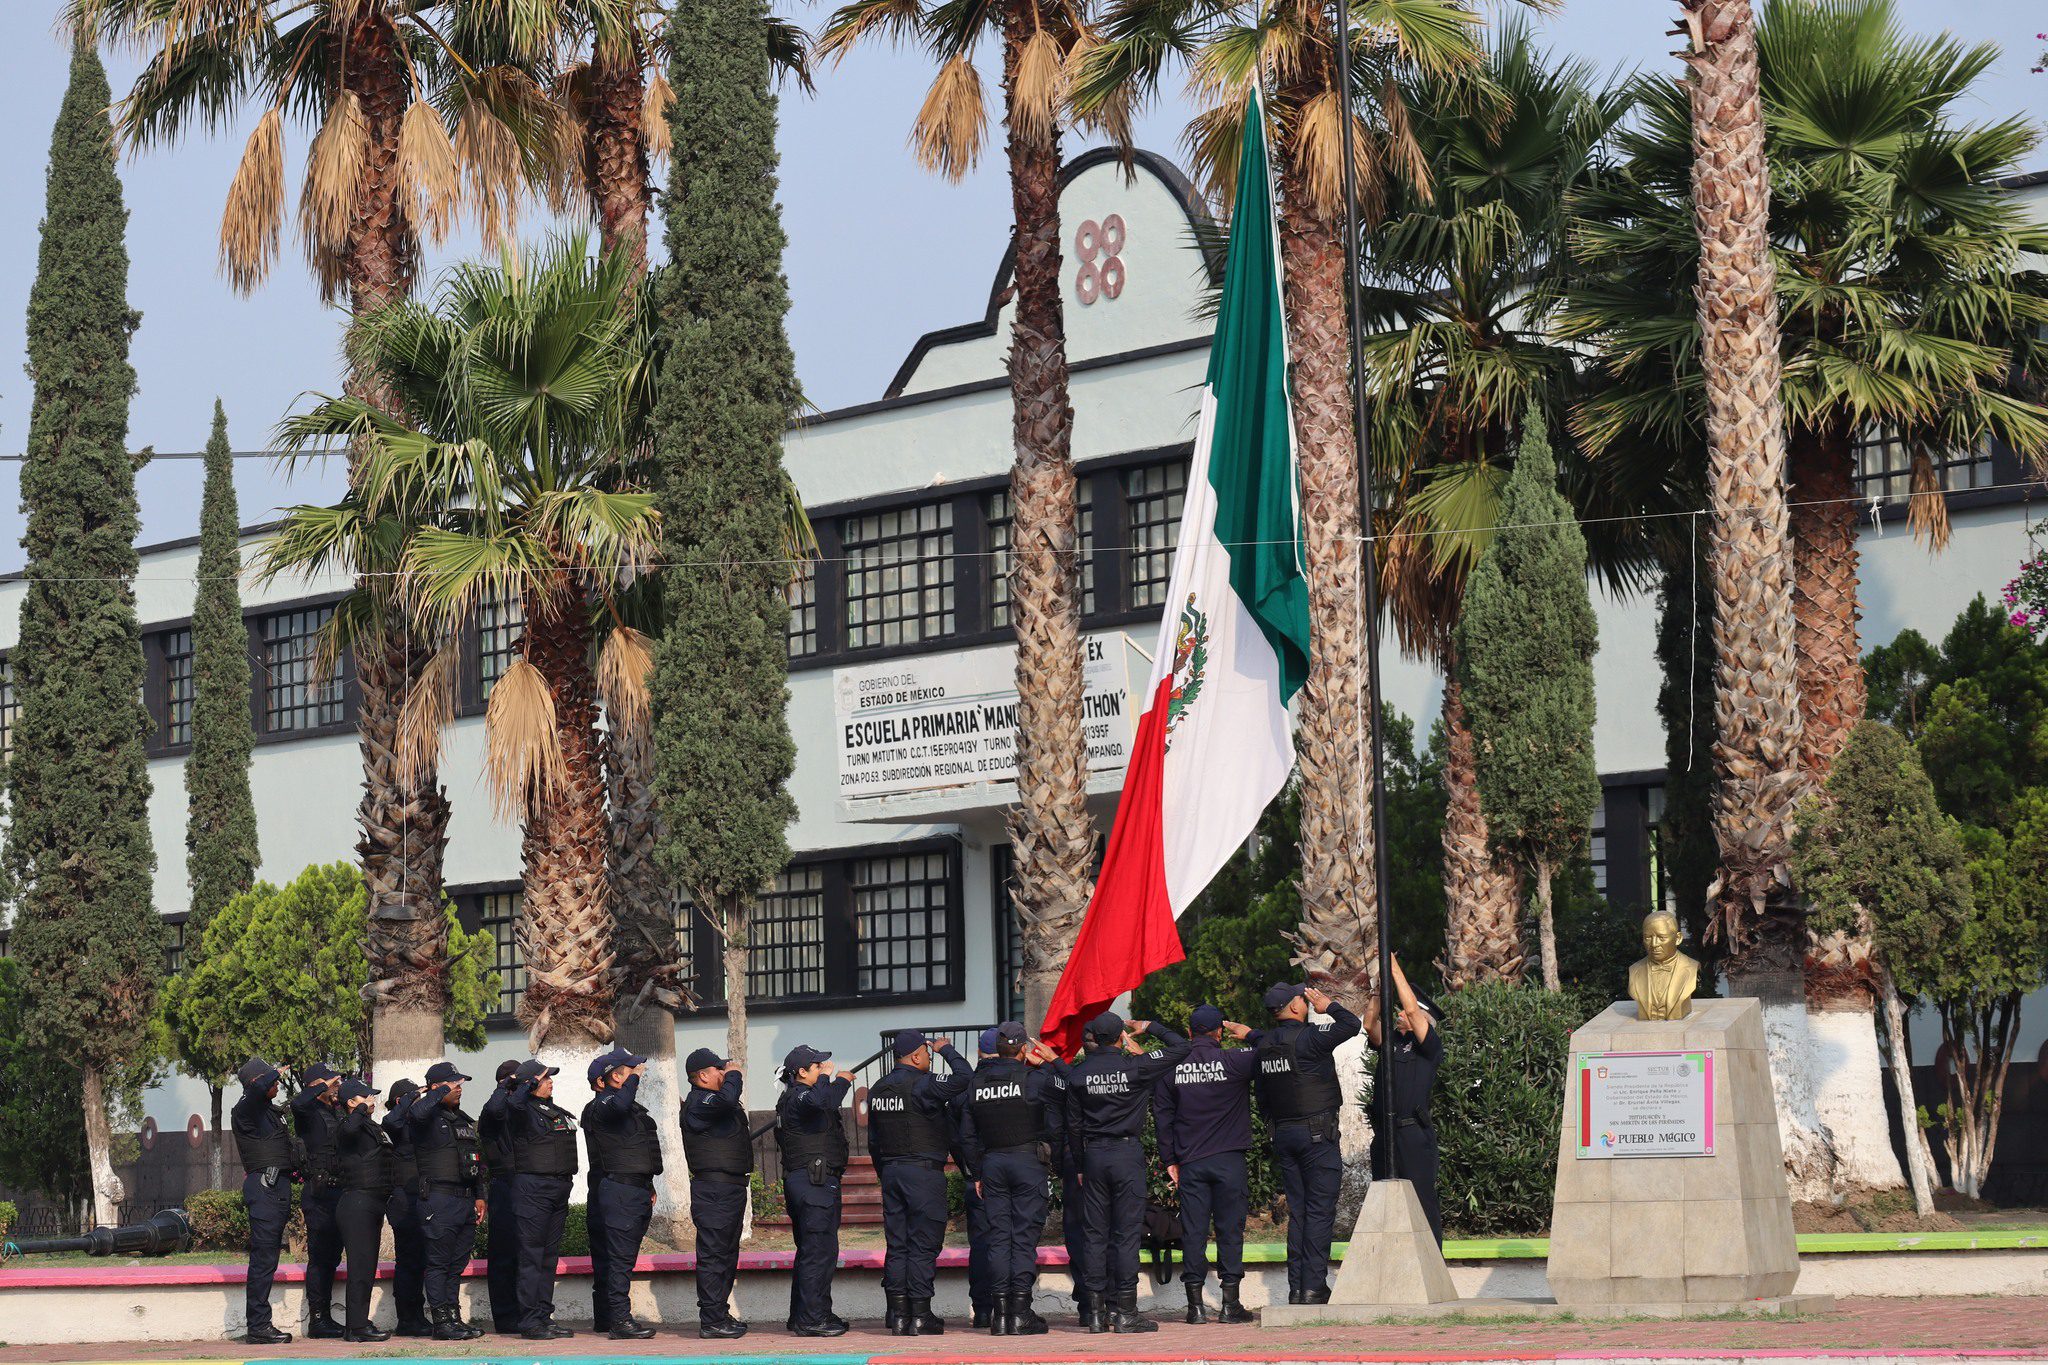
(1392, 1264)
(1352, 1314)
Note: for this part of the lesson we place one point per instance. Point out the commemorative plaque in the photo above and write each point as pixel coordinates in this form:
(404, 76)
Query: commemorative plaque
(1644, 1104)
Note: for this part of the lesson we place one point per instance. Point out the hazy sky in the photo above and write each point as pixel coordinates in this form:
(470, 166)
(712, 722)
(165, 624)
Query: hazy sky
(879, 252)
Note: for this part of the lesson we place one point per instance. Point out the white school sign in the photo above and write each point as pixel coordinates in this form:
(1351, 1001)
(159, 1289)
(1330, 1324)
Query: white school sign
(949, 720)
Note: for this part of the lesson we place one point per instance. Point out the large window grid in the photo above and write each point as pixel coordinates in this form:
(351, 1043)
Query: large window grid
(899, 575)
(786, 959)
(1000, 523)
(1153, 495)
(178, 687)
(498, 912)
(174, 945)
(1009, 932)
(294, 696)
(500, 625)
(902, 905)
(1884, 467)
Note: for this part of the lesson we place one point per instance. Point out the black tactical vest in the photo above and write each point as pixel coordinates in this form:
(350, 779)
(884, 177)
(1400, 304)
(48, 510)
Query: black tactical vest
(800, 1149)
(401, 1147)
(369, 1161)
(1292, 1088)
(1005, 1114)
(262, 1153)
(728, 1151)
(319, 1127)
(629, 1148)
(552, 1150)
(497, 1142)
(456, 1161)
(898, 1126)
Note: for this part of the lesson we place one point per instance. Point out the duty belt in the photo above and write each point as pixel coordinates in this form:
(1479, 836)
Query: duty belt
(930, 1163)
(1097, 1139)
(645, 1182)
(719, 1178)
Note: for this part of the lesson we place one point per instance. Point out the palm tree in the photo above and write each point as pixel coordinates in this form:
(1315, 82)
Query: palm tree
(1905, 310)
(1290, 45)
(514, 477)
(1051, 833)
(409, 130)
(1458, 303)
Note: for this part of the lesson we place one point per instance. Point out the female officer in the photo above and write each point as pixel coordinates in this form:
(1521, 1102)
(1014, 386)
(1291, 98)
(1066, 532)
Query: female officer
(812, 1137)
(369, 1172)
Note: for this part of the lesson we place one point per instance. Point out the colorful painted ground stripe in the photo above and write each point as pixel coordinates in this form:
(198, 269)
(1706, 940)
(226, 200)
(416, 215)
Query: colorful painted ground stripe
(1215, 743)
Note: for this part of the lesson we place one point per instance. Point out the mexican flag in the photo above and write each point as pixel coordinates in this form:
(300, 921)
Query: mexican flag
(1215, 744)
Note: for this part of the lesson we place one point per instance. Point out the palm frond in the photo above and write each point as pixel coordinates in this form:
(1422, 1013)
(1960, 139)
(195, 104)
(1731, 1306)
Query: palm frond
(254, 217)
(523, 765)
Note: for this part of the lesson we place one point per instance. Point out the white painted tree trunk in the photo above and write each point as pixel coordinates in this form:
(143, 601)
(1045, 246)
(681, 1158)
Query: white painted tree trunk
(107, 1190)
(1354, 1128)
(1795, 1064)
(652, 1034)
(404, 1042)
(1848, 1093)
(1919, 1169)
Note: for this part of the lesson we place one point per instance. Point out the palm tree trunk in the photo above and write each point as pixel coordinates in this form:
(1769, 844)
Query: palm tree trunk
(619, 151)
(1482, 892)
(1051, 835)
(1824, 590)
(383, 249)
(1337, 941)
(1758, 740)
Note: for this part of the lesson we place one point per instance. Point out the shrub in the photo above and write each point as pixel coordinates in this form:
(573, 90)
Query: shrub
(220, 1220)
(1498, 1103)
(9, 1216)
(767, 1198)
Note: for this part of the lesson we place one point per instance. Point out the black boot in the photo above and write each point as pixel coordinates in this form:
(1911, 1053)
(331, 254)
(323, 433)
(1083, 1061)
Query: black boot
(985, 1315)
(266, 1335)
(1095, 1314)
(929, 1324)
(1198, 1312)
(321, 1326)
(895, 1319)
(371, 1332)
(630, 1330)
(447, 1326)
(1319, 1295)
(1024, 1322)
(1124, 1318)
(470, 1331)
(1232, 1310)
(413, 1327)
(728, 1328)
(1294, 1295)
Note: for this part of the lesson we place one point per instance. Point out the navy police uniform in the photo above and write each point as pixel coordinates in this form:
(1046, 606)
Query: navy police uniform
(269, 1157)
(720, 1152)
(812, 1139)
(1299, 1095)
(909, 1135)
(450, 1157)
(501, 1221)
(981, 1291)
(368, 1170)
(544, 1151)
(1012, 1119)
(625, 1156)
(1413, 1077)
(318, 1127)
(402, 1212)
(1065, 1160)
(1108, 1095)
(1203, 1112)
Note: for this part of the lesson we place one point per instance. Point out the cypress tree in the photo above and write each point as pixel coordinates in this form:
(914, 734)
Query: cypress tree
(78, 845)
(220, 814)
(1526, 638)
(726, 387)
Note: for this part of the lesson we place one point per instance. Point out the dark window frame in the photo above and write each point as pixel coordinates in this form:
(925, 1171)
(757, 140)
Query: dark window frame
(155, 694)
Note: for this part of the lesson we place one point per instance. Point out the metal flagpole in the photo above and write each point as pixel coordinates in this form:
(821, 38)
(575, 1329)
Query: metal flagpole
(1368, 587)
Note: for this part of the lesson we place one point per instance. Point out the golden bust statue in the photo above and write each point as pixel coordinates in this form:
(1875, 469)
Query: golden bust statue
(1662, 983)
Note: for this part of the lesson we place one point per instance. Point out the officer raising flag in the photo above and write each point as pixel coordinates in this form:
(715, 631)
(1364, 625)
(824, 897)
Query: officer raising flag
(1300, 1097)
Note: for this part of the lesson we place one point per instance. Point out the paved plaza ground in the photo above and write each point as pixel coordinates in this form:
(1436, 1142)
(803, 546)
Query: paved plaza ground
(1864, 1328)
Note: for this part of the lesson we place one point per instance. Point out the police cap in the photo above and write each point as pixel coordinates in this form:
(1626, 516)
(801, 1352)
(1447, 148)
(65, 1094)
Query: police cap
(1106, 1027)
(353, 1089)
(1205, 1019)
(704, 1057)
(990, 1040)
(530, 1071)
(801, 1056)
(402, 1089)
(1280, 992)
(909, 1040)
(318, 1072)
(444, 1073)
(612, 1061)
(257, 1074)
(507, 1069)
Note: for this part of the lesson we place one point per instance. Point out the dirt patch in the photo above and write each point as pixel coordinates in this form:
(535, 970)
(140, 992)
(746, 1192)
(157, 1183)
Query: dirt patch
(1888, 1211)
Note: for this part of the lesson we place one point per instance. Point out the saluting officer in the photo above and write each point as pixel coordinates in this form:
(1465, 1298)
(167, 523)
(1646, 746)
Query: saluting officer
(1299, 1095)
(625, 1156)
(501, 1223)
(317, 1124)
(450, 1155)
(402, 1211)
(369, 1172)
(268, 1159)
(1009, 1126)
(1108, 1095)
(1204, 1116)
(812, 1137)
(720, 1151)
(544, 1151)
(1065, 1160)
(593, 1210)
(1411, 1071)
(908, 1137)
(981, 1291)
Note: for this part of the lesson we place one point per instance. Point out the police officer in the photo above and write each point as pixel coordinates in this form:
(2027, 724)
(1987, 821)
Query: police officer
(720, 1151)
(1411, 1071)
(501, 1224)
(812, 1138)
(402, 1212)
(1065, 1160)
(1108, 1095)
(1009, 1126)
(981, 1291)
(317, 1124)
(908, 1137)
(268, 1160)
(1299, 1096)
(369, 1172)
(1203, 1111)
(593, 1211)
(544, 1152)
(625, 1156)
(450, 1156)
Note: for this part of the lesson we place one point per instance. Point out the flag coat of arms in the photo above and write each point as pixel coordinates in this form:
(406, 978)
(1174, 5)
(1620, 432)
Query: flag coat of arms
(1215, 743)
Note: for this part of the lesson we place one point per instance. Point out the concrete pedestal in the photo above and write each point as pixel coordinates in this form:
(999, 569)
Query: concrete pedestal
(1391, 1265)
(1679, 1233)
